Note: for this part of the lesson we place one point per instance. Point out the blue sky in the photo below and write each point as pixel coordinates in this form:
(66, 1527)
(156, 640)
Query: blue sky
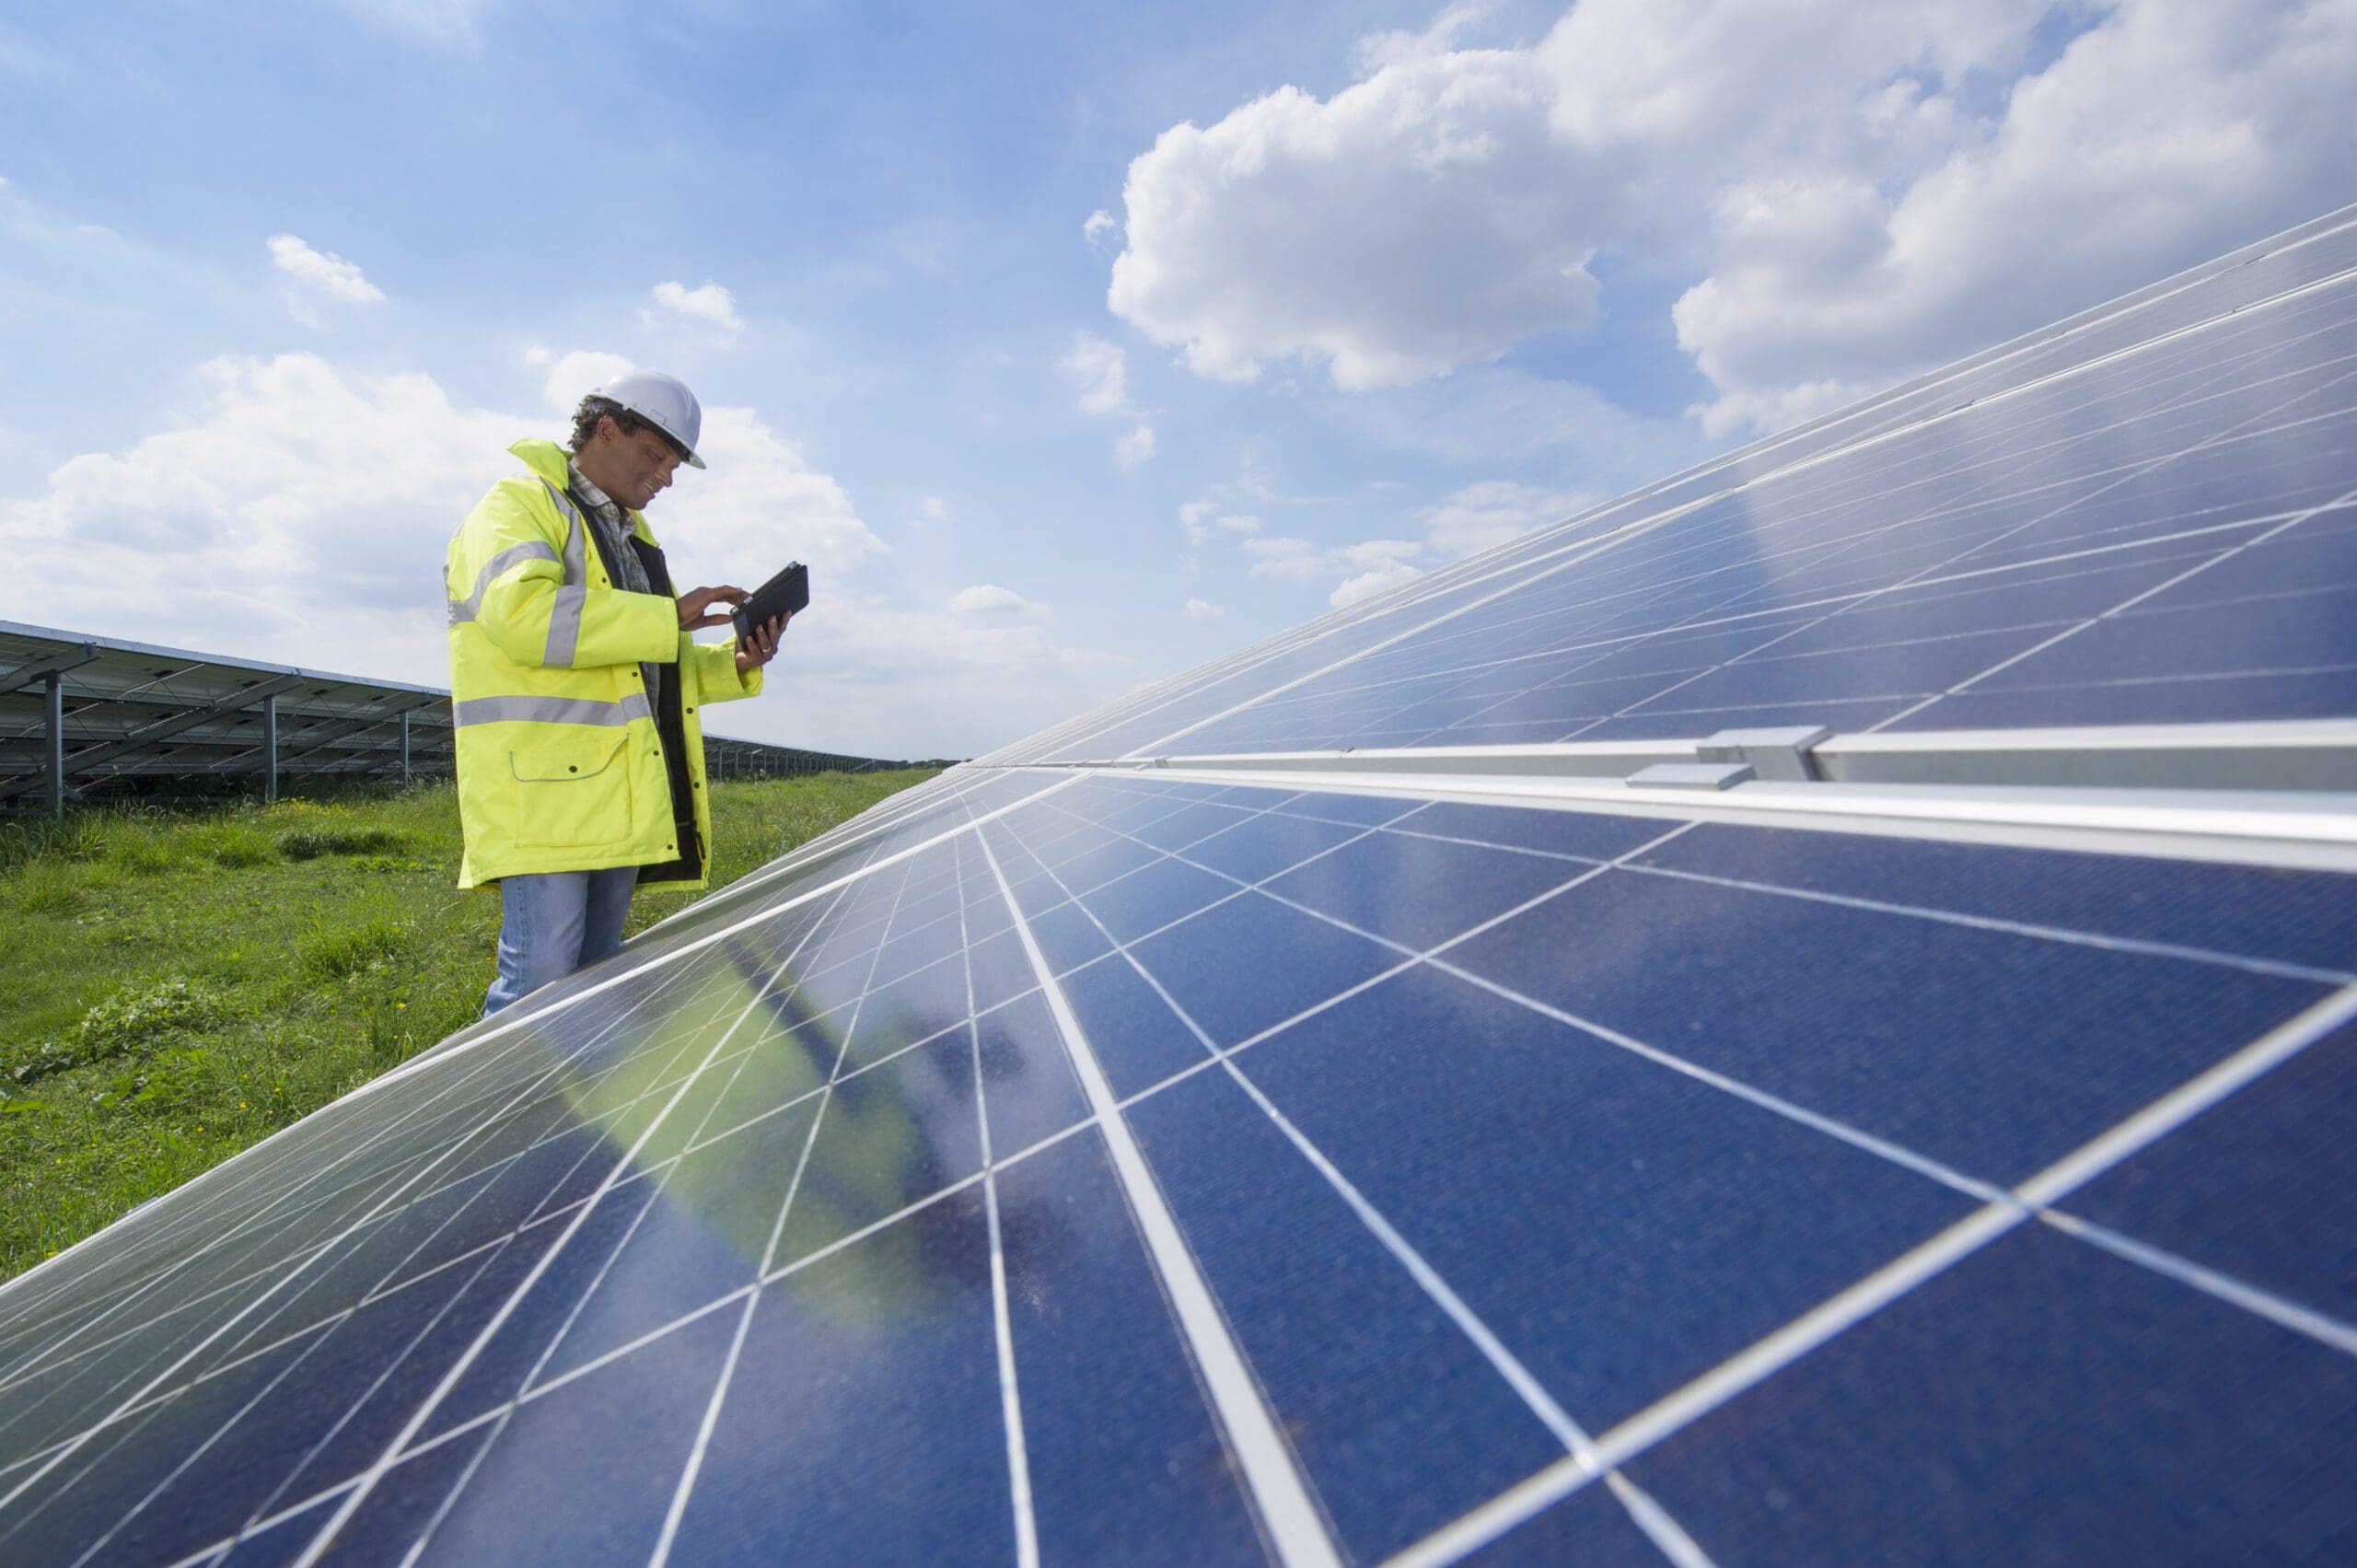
(1072, 346)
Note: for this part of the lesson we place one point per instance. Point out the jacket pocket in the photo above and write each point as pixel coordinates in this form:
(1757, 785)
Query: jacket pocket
(573, 794)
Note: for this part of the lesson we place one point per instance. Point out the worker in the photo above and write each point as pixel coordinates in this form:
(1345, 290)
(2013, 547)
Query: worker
(576, 689)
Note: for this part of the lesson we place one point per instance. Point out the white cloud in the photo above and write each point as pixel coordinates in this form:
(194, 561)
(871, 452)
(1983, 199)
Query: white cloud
(1482, 516)
(757, 505)
(1099, 224)
(312, 503)
(933, 511)
(1379, 578)
(1204, 609)
(990, 599)
(448, 22)
(1195, 517)
(877, 678)
(1855, 188)
(1400, 229)
(1135, 448)
(571, 378)
(1474, 518)
(708, 303)
(1102, 371)
(322, 272)
(2173, 131)
(1282, 556)
(1378, 49)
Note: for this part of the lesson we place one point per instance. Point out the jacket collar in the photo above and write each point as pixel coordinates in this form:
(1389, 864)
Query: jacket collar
(551, 462)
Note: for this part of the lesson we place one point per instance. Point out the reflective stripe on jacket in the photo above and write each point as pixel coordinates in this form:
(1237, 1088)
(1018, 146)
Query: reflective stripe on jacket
(561, 759)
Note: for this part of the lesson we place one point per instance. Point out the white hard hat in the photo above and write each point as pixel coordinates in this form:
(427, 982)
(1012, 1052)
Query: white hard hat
(663, 401)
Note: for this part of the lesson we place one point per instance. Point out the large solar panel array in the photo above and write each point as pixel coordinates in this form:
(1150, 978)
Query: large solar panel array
(1419, 1089)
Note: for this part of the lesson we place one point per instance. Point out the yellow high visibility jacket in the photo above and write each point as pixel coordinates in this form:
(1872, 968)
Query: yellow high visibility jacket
(564, 764)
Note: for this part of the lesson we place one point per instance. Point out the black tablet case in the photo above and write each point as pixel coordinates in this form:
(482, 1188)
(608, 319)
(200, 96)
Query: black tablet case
(788, 593)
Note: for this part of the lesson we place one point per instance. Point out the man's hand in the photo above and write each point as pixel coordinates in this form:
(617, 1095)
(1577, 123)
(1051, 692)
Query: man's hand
(758, 649)
(695, 607)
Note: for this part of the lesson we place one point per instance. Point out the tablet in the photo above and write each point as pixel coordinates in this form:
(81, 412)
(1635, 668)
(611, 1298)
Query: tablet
(785, 594)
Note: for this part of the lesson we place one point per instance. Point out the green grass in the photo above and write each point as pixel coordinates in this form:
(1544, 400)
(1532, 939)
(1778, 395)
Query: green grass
(180, 984)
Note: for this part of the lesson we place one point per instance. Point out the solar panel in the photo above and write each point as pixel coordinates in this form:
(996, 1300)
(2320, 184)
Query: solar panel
(132, 711)
(1349, 1104)
(2059, 537)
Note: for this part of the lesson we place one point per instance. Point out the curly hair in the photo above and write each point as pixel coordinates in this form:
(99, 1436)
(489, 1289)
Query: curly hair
(595, 408)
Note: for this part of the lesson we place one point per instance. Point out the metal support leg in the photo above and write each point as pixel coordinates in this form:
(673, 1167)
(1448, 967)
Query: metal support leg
(270, 750)
(404, 749)
(56, 771)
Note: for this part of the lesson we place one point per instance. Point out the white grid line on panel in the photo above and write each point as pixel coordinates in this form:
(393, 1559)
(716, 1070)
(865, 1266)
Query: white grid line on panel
(2102, 940)
(451, 1497)
(49, 1354)
(1766, 1356)
(1673, 1541)
(606, 1358)
(826, 1093)
(1269, 1470)
(1914, 579)
(1982, 1191)
(752, 1291)
(1833, 602)
(1409, 956)
(661, 1174)
(395, 1178)
(398, 1184)
(199, 1450)
(1018, 1459)
(2047, 337)
(1808, 546)
(466, 1359)
(687, 1484)
(669, 1167)
(858, 830)
(2322, 1326)
(2120, 609)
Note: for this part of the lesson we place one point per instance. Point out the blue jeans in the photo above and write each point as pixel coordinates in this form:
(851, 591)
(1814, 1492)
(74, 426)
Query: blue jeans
(554, 923)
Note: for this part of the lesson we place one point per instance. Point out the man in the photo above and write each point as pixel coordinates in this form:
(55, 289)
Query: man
(575, 688)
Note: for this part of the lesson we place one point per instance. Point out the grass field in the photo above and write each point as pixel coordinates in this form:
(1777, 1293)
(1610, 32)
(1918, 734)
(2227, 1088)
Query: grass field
(178, 985)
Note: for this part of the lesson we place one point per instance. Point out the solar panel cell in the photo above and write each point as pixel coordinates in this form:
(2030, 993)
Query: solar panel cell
(1549, 1191)
(2041, 1402)
(1112, 1410)
(1994, 1051)
(2262, 1188)
(1397, 1420)
(861, 1422)
(585, 1472)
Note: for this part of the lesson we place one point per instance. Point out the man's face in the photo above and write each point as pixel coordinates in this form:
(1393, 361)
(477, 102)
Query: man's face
(633, 469)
